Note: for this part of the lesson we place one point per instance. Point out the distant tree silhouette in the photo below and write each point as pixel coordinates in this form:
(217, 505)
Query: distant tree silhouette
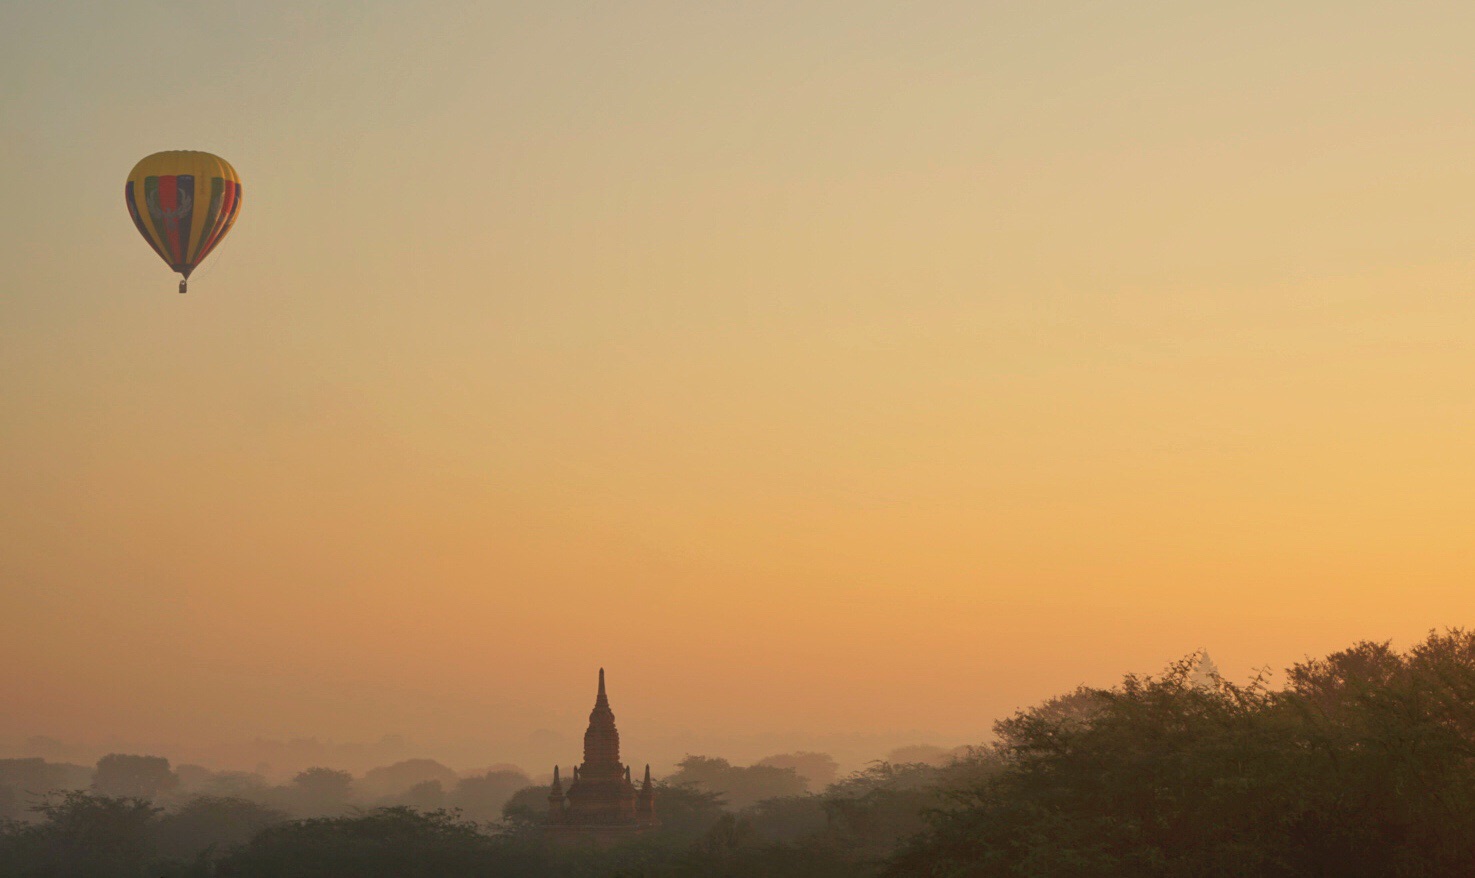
(393, 780)
(482, 797)
(388, 842)
(733, 848)
(687, 811)
(192, 778)
(788, 818)
(427, 795)
(929, 754)
(206, 827)
(23, 782)
(525, 809)
(321, 791)
(818, 770)
(82, 835)
(873, 809)
(740, 786)
(236, 785)
(143, 777)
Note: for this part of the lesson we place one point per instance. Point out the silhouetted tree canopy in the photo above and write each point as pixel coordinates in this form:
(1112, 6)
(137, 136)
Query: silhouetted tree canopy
(686, 811)
(126, 776)
(320, 791)
(209, 825)
(235, 784)
(788, 818)
(526, 808)
(1363, 766)
(82, 835)
(482, 797)
(740, 786)
(392, 780)
(23, 782)
(391, 842)
(817, 770)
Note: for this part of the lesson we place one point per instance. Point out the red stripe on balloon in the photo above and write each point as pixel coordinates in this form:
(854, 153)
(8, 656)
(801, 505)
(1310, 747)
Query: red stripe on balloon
(169, 203)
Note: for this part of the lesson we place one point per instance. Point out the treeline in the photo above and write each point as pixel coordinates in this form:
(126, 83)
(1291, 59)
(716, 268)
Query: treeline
(316, 792)
(421, 784)
(843, 831)
(135, 813)
(1361, 764)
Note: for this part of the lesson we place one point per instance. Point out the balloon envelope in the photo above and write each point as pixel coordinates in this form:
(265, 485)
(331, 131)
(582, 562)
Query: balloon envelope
(183, 202)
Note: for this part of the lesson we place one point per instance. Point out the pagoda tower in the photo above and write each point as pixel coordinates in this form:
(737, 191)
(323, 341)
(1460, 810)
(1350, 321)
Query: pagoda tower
(601, 802)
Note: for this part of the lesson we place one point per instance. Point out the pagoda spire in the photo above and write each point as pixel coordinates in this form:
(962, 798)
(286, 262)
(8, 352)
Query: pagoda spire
(601, 740)
(645, 800)
(601, 801)
(555, 799)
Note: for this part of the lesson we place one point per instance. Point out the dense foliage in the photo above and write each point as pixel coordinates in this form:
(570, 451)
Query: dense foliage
(1364, 765)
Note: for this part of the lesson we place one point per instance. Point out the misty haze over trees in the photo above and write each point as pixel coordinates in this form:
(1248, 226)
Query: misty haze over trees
(1362, 764)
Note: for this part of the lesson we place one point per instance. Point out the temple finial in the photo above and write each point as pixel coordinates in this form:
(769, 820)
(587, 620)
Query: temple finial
(645, 801)
(602, 700)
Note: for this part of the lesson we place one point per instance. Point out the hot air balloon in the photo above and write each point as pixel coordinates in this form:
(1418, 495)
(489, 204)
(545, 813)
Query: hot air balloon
(183, 203)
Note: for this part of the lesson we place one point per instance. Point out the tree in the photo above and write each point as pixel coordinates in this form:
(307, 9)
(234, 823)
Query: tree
(320, 791)
(22, 781)
(929, 754)
(390, 842)
(871, 810)
(1364, 765)
(124, 776)
(733, 848)
(740, 786)
(236, 785)
(482, 797)
(208, 826)
(817, 770)
(525, 809)
(424, 796)
(787, 818)
(686, 811)
(392, 780)
(82, 835)
(192, 778)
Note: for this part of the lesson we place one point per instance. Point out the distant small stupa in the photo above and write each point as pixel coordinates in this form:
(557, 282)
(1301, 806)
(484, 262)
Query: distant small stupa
(602, 803)
(1205, 674)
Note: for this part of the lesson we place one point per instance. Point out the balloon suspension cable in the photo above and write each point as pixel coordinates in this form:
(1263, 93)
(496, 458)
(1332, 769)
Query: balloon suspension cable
(183, 285)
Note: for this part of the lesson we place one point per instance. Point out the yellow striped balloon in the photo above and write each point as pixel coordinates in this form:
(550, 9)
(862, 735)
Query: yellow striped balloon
(183, 203)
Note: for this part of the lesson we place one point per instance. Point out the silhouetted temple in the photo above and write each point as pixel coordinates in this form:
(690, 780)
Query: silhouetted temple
(601, 803)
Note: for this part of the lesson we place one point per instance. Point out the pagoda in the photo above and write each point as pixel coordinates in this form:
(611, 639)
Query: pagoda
(602, 803)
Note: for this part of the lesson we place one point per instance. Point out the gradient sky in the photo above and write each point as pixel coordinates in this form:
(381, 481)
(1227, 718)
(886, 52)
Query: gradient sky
(829, 367)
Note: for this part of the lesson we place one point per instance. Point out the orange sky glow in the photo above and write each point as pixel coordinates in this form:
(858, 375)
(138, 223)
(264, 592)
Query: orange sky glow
(836, 375)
